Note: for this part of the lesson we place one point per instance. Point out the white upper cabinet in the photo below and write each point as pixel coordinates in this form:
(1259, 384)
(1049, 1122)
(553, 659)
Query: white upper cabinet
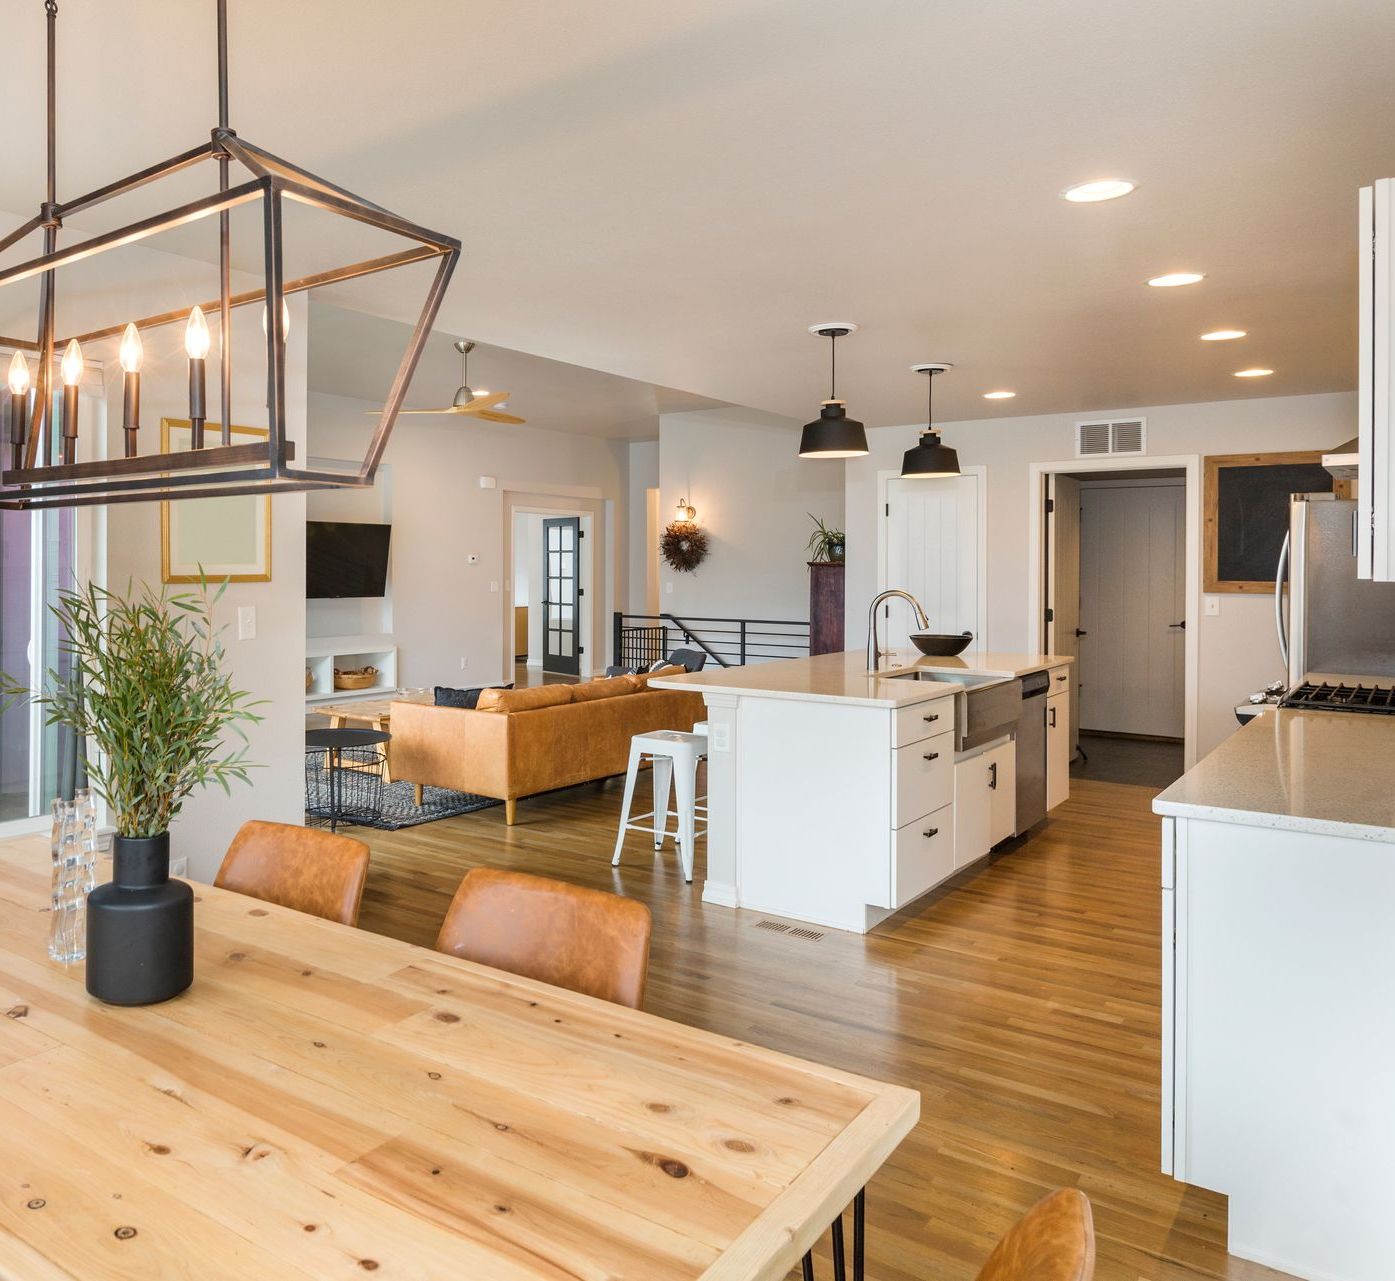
(1376, 406)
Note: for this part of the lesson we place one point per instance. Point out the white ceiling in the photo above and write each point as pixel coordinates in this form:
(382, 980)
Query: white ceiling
(671, 193)
(356, 355)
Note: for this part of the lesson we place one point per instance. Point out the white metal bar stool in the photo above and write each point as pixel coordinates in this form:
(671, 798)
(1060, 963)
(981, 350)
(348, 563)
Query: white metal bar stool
(675, 756)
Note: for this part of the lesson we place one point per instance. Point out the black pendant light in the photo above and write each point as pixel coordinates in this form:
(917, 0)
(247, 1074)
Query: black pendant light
(833, 434)
(930, 457)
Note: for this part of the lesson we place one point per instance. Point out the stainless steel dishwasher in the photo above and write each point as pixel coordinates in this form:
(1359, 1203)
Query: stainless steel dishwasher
(1031, 750)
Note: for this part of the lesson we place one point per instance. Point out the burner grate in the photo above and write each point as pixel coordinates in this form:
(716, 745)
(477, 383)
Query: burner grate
(1325, 696)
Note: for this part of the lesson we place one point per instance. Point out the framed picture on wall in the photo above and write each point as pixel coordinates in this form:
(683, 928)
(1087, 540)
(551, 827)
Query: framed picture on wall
(224, 537)
(1247, 501)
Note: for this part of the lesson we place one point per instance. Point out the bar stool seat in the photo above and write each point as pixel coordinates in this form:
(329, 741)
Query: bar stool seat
(675, 755)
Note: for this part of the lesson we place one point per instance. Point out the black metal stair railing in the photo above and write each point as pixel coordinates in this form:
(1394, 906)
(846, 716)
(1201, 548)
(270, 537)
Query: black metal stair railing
(638, 640)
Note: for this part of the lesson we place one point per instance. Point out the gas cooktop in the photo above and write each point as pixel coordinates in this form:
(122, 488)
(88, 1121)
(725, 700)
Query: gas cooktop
(1325, 696)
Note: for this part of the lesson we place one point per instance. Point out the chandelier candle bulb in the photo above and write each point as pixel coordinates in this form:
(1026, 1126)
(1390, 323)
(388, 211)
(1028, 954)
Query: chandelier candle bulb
(132, 354)
(19, 406)
(196, 344)
(72, 381)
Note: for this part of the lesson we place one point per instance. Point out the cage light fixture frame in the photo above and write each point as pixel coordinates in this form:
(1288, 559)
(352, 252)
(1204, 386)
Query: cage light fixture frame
(224, 469)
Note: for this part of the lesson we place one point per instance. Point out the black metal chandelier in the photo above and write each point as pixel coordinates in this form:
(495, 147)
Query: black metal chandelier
(929, 457)
(38, 455)
(833, 434)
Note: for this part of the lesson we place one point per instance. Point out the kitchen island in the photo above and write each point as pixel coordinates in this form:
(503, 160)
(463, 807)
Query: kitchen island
(1278, 897)
(837, 796)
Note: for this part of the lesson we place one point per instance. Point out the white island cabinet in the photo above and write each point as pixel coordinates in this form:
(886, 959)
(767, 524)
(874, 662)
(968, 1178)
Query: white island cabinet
(834, 796)
(1278, 1033)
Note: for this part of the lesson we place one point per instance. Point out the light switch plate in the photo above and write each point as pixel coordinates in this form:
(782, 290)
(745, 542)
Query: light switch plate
(246, 622)
(721, 737)
(1213, 605)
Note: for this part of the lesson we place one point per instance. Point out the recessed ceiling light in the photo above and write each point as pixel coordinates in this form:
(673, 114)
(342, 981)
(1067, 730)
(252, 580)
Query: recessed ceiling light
(999, 395)
(1222, 335)
(1087, 193)
(1253, 373)
(1175, 278)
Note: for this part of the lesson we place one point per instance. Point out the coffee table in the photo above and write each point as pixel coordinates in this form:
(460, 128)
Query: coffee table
(333, 742)
(375, 713)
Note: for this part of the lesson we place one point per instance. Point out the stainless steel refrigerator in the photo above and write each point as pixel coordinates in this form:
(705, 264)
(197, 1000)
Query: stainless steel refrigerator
(1336, 623)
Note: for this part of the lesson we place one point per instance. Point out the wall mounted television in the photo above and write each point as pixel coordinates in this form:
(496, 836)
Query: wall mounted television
(345, 559)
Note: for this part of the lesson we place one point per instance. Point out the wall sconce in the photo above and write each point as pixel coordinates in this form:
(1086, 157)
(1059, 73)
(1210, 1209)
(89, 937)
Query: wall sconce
(684, 545)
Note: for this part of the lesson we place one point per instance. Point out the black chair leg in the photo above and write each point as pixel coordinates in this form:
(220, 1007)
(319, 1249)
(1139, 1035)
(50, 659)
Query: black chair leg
(809, 1266)
(840, 1262)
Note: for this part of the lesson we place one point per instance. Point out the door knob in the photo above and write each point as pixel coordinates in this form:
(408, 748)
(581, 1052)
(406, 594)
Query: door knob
(1178, 626)
(1078, 632)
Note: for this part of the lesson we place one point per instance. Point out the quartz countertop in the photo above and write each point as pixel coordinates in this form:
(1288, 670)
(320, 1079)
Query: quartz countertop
(844, 678)
(1325, 772)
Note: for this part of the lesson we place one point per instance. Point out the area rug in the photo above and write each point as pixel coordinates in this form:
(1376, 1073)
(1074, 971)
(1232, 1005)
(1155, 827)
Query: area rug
(401, 810)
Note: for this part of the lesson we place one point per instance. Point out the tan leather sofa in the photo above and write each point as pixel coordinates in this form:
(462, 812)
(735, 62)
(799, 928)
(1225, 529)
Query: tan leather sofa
(524, 741)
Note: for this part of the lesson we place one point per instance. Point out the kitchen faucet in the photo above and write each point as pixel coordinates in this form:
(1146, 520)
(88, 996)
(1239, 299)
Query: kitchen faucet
(874, 651)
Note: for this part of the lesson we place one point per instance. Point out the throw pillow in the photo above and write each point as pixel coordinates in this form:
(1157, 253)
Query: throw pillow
(467, 698)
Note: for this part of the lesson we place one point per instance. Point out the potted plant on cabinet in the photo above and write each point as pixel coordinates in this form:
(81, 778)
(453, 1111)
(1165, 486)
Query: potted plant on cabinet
(145, 686)
(826, 544)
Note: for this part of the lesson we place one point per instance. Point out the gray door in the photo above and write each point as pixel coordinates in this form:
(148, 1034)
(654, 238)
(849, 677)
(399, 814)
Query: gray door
(562, 595)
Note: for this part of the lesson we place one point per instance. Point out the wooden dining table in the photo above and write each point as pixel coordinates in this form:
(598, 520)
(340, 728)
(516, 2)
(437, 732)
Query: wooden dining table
(328, 1103)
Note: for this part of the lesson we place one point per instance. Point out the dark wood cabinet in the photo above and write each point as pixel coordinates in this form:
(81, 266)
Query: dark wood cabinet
(826, 607)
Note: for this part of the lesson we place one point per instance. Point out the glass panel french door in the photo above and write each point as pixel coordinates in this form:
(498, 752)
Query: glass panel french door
(562, 595)
(36, 559)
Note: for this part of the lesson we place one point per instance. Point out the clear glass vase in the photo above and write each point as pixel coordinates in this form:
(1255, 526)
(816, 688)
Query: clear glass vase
(74, 848)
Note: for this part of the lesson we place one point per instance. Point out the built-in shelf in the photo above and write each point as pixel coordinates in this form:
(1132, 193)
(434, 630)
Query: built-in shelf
(324, 653)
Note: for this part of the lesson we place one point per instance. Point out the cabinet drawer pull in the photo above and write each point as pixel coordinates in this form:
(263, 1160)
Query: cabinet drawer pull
(931, 719)
(993, 776)
(931, 831)
(1065, 677)
(932, 756)
(1052, 722)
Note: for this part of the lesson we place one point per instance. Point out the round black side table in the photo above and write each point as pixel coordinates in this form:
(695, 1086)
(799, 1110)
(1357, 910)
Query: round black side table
(333, 742)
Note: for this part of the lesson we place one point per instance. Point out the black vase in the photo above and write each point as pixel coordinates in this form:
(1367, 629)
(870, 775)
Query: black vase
(140, 926)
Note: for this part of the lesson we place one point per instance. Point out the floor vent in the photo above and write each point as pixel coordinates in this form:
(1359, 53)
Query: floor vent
(812, 935)
(1111, 439)
(772, 925)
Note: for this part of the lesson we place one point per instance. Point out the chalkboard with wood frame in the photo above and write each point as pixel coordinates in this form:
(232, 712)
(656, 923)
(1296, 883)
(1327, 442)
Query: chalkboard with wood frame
(1246, 514)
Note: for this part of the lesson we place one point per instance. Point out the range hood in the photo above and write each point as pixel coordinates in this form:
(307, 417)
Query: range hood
(1344, 461)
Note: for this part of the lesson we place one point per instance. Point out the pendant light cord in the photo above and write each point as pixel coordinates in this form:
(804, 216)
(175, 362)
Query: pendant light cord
(930, 400)
(833, 366)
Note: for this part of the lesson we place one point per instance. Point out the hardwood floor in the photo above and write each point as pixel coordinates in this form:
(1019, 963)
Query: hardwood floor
(1022, 1001)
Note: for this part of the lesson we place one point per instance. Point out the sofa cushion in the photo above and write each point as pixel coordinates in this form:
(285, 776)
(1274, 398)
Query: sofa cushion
(524, 700)
(645, 677)
(606, 687)
(467, 698)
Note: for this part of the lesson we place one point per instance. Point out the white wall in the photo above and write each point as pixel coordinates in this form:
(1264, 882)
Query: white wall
(1238, 652)
(643, 476)
(271, 666)
(753, 495)
(444, 608)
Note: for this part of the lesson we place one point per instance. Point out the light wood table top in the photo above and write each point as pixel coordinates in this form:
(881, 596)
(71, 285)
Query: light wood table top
(329, 1103)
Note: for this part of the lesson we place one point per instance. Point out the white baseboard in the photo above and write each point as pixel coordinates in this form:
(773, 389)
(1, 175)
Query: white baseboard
(719, 893)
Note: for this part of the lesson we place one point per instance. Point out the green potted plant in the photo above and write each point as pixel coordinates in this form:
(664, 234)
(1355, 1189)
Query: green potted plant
(826, 544)
(146, 686)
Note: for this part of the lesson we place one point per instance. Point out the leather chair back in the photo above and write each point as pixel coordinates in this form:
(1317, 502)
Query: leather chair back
(571, 937)
(299, 867)
(1053, 1241)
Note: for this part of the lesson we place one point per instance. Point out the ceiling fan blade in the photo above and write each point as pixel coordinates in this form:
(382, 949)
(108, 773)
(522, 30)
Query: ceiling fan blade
(485, 400)
(494, 416)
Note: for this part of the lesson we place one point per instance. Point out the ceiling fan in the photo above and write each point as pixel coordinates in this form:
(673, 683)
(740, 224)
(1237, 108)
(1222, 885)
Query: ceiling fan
(478, 404)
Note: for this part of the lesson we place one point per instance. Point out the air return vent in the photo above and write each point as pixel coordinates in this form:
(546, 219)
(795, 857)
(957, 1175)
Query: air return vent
(1107, 439)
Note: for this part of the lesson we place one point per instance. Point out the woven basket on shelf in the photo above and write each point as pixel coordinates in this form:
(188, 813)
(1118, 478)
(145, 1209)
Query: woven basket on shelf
(358, 678)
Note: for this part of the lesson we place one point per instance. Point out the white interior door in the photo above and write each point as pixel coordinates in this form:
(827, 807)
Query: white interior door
(1063, 630)
(932, 551)
(1132, 608)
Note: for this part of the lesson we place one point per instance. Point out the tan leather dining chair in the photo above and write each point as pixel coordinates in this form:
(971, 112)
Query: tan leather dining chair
(299, 867)
(571, 937)
(1053, 1241)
